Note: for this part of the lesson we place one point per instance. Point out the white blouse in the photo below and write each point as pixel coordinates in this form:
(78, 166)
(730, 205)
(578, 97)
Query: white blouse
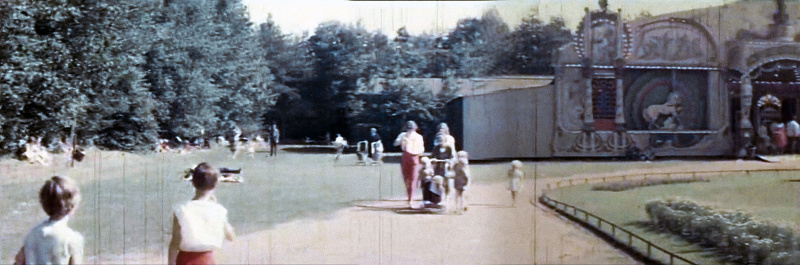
(53, 242)
(202, 225)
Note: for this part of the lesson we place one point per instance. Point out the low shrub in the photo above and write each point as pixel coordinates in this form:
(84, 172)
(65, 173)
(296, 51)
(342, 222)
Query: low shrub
(734, 234)
(632, 184)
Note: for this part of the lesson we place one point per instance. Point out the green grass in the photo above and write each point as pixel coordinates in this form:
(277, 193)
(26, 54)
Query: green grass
(765, 195)
(128, 199)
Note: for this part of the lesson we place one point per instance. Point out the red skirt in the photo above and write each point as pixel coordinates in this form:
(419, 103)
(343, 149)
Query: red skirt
(195, 258)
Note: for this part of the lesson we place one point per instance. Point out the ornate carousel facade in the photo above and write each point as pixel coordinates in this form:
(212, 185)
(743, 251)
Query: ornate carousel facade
(671, 87)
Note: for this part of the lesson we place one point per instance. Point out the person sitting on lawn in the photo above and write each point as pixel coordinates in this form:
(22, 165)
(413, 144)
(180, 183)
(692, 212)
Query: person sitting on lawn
(52, 241)
(200, 225)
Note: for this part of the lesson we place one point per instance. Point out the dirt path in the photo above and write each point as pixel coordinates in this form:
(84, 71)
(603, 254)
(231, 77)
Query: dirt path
(490, 232)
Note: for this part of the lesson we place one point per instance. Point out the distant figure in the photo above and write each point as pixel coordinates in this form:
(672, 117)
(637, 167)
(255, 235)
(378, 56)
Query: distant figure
(373, 138)
(339, 144)
(163, 146)
(515, 176)
(66, 148)
(52, 241)
(779, 137)
(274, 138)
(461, 180)
(35, 153)
(792, 132)
(413, 146)
(200, 225)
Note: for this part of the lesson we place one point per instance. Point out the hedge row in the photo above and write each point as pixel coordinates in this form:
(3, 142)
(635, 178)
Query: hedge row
(734, 234)
(632, 184)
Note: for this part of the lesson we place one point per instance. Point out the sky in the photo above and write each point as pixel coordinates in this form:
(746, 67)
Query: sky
(440, 16)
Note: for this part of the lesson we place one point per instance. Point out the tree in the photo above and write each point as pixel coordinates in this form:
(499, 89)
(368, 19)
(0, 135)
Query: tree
(532, 46)
(243, 75)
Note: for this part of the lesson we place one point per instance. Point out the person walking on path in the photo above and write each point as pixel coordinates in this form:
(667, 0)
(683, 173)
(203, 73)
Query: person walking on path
(274, 138)
(413, 146)
(792, 132)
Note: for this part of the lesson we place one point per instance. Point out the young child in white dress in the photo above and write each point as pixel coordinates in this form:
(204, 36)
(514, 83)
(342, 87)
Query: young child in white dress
(515, 176)
(200, 225)
(52, 241)
(461, 180)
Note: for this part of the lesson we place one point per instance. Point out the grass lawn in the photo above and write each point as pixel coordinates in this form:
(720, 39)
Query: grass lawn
(128, 199)
(765, 195)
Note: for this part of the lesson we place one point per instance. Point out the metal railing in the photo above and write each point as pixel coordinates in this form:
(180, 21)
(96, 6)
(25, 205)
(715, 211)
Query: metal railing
(616, 232)
(588, 219)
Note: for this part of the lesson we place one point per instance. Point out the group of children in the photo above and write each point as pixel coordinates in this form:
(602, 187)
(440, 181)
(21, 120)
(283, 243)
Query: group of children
(199, 226)
(36, 153)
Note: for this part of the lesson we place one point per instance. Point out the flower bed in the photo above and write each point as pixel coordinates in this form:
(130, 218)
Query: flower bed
(735, 234)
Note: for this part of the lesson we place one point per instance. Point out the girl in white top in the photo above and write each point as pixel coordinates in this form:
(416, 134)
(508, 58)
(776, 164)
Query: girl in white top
(200, 225)
(52, 241)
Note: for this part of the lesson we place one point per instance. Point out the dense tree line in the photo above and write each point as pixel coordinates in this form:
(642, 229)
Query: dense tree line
(122, 73)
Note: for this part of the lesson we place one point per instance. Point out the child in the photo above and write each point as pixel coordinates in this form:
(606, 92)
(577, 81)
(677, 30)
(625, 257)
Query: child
(199, 226)
(425, 178)
(516, 175)
(461, 179)
(437, 192)
(52, 241)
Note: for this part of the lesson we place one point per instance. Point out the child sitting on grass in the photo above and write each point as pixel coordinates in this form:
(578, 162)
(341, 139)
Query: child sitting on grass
(515, 175)
(461, 180)
(52, 241)
(200, 225)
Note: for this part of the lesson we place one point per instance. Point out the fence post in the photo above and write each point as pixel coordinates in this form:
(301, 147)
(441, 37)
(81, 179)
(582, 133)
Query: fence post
(613, 230)
(671, 259)
(648, 249)
(630, 239)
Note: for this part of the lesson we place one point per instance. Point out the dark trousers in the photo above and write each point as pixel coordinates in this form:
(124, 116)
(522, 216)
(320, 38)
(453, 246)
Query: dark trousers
(791, 148)
(273, 148)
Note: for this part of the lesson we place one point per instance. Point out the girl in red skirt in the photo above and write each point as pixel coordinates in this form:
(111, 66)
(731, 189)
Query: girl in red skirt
(200, 225)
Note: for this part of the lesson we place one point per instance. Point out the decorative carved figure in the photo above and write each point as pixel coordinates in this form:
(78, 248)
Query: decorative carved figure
(670, 109)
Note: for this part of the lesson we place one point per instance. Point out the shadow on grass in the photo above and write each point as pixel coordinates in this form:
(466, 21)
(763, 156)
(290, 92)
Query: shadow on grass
(488, 205)
(399, 209)
(310, 150)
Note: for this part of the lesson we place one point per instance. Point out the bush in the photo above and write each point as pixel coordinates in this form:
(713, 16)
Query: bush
(734, 234)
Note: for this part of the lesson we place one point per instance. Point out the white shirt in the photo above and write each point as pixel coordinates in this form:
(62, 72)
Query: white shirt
(202, 225)
(792, 128)
(411, 143)
(53, 242)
